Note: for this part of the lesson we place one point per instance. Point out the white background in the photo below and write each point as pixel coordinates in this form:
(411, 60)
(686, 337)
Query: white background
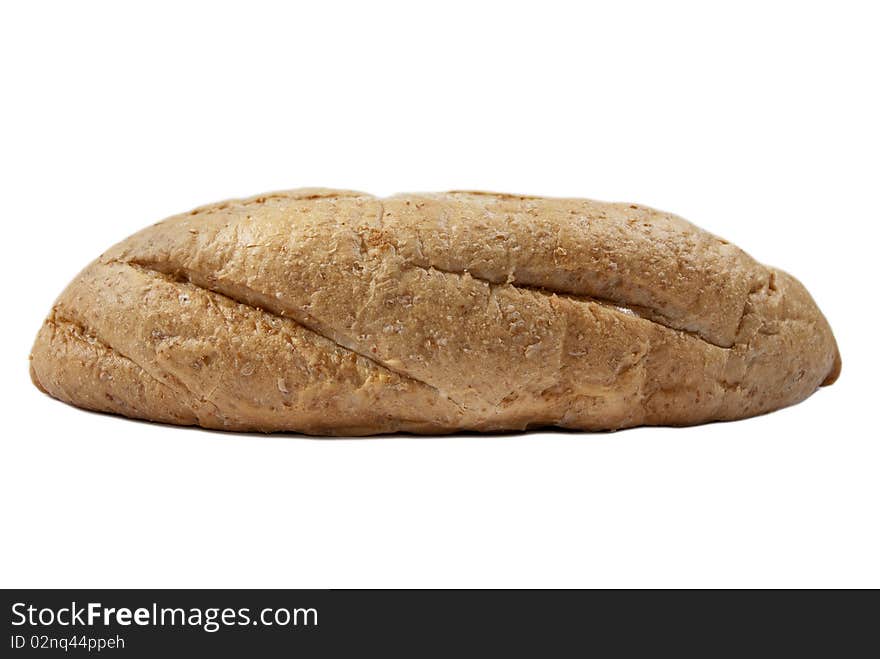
(757, 121)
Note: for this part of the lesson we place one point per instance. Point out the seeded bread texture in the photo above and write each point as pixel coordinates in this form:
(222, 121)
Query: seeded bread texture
(336, 313)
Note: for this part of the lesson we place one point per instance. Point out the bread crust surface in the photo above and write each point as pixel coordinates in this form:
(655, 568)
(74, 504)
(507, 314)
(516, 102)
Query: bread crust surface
(336, 313)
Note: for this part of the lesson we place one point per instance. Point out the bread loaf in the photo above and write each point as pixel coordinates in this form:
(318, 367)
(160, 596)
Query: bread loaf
(334, 312)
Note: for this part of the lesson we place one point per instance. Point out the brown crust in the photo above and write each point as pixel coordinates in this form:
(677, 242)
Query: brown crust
(333, 312)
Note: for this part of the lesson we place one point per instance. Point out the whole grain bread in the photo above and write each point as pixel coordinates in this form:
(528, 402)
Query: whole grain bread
(334, 312)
